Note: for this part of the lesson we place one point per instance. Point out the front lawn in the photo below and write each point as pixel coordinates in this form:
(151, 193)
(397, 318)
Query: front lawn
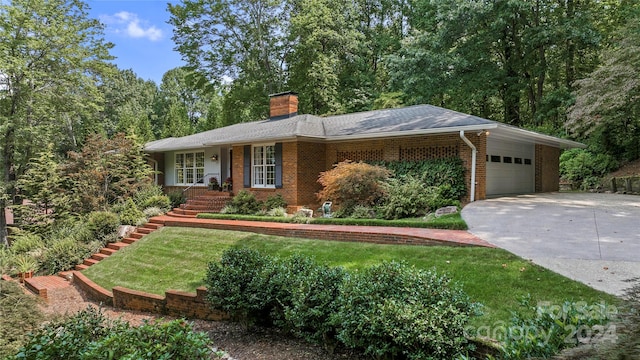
(176, 258)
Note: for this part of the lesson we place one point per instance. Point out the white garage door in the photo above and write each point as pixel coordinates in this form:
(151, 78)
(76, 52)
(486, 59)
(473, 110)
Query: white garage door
(510, 167)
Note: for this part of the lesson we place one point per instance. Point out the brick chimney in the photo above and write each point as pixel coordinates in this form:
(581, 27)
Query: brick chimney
(283, 105)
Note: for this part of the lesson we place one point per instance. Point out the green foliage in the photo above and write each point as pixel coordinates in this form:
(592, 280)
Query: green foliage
(349, 184)
(277, 212)
(408, 197)
(435, 172)
(161, 202)
(102, 224)
(152, 340)
(275, 201)
(106, 171)
(24, 263)
(130, 214)
(62, 255)
(584, 168)
(308, 299)
(90, 335)
(236, 285)
(393, 310)
(177, 197)
(542, 331)
(20, 315)
(25, 242)
(362, 212)
(452, 222)
(245, 203)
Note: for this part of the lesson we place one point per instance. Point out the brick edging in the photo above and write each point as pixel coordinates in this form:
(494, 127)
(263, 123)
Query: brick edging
(173, 303)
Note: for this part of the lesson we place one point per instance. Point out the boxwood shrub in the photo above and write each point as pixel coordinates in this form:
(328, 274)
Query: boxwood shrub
(387, 311)
(395, 310)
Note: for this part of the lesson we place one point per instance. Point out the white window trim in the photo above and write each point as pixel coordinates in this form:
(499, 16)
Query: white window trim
(253, 166)
(195, 172)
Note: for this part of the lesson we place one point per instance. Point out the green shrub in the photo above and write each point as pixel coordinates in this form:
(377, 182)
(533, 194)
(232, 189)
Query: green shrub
(434, 172)
(407, 197)
(236, 285)
(349, 184)
(585, 168)
(131, 215)
(362, 212)
(62, 255)
(274, 202)
(152, 340)
(89, 335)
(67, 339)
(20, 315)
(177, 198)
(245, 203)
(277, 212)
(308, 298)
(152, 211)
(25, 242)
(147, 192)
(158, 201)
(542, 331)
(102, 225)
(394, 310)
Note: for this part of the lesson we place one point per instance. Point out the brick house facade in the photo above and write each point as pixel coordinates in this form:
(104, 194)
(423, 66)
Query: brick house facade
(286, 153)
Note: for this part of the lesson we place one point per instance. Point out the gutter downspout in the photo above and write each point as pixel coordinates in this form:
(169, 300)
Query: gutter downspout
(474, 152)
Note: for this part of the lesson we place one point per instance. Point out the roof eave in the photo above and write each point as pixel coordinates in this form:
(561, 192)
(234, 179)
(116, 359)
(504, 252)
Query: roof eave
(535, 137)
(444, 130)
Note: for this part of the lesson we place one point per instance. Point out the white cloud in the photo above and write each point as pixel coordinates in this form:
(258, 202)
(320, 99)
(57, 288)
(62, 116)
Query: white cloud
(129, 24)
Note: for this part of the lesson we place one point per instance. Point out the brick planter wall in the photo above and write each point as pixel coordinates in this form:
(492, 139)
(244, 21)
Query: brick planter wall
(174, 303)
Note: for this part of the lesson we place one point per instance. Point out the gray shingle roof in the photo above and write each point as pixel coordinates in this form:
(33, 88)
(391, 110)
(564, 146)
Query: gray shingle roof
(412, 120)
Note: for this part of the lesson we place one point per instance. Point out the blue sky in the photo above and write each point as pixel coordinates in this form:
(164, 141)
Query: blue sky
(140, 33)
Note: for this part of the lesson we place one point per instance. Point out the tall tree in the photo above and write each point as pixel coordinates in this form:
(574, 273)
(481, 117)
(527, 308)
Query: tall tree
(53, 55)
(324, 37)
(511, 60)
(238, 41)
(607, 107)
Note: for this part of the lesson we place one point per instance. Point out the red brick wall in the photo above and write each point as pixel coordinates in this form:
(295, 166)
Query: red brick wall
(417, 148)
(304, 161)
(547, 168)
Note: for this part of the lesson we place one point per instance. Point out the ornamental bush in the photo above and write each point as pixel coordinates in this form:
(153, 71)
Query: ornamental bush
(274, 202)
(90, 335)
(245, 203)
(236, 284)
(102, 224)
(349, 184)
(395, 310)
(20, 315)
(585, 168)
(433, 172)
(407, 197)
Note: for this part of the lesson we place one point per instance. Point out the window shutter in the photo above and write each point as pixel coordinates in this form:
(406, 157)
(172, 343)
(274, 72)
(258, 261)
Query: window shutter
(246, 174)
(278, 165)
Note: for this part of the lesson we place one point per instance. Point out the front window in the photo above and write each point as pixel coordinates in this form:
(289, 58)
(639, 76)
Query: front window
(264, 166)
(190, 168)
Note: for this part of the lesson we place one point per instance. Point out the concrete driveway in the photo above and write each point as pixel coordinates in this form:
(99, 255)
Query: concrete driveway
(592, 238)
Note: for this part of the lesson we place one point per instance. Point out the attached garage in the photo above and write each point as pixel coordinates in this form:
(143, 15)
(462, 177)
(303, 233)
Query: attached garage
(510, 167)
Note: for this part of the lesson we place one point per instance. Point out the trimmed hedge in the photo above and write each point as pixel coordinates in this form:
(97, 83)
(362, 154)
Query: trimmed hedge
(385, 311)
(447, 222)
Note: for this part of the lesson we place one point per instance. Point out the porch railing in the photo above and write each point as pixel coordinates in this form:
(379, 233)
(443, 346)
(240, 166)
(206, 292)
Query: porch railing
(191, 191)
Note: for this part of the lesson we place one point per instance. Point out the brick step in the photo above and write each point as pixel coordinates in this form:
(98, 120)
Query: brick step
(152, 226)
(186, 212)
(174, 213)
(129, 240)
(207, 202)
(65, 274)
(156, 221)
(203, 208)
(99, 256)
(136, 235)
(145, 231)
(107, 251)
(90, 262)
(81, 267)
(117, 245)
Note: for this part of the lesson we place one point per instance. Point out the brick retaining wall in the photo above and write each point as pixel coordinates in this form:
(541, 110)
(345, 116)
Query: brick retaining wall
(173, 303)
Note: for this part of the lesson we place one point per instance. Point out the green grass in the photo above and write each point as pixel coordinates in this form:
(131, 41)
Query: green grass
(176, 258)
(450, 221)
